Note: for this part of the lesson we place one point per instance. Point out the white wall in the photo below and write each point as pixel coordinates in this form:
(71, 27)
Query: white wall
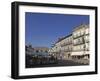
(5, 40)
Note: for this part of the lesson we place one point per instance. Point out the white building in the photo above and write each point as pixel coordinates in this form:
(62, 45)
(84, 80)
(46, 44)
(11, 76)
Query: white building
(81, 42)
(62, 48)
(75, 45)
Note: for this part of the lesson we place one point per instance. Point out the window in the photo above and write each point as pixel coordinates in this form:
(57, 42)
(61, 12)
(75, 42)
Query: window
(87, 38)
(87, 31)
(37, 51)
(41, 51)
(74, 34)
(75, 41)
(46, 51)
(78, 33)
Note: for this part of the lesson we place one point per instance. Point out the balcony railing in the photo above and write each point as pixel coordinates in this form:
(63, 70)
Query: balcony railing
(65, 44)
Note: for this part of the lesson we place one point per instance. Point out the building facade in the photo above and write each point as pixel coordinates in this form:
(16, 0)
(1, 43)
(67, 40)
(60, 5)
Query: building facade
(81, 42)
(36, 50)
(75, 45)
(62, 48)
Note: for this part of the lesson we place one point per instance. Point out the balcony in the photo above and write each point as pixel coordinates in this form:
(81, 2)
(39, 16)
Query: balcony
(78, 36)
(65, 44)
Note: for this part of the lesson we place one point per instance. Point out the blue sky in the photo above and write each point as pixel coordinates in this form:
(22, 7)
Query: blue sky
(43, 29)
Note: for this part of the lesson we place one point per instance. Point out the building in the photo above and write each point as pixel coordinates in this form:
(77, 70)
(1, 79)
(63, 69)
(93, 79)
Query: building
(75, 45)
(36, 50)
(81, 42)
(62, 48)
(55, 50)
(66, 47)
(38, 56)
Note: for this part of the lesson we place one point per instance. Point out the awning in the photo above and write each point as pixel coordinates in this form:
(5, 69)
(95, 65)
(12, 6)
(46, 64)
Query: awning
(77, 53)
(80, 53)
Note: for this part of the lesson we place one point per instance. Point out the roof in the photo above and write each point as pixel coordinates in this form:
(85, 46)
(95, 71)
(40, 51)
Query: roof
(80, 27)
(38, 48)
(60, 39)
(41, 48)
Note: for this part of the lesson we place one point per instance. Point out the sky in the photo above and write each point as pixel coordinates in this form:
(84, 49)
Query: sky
(43, 29)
